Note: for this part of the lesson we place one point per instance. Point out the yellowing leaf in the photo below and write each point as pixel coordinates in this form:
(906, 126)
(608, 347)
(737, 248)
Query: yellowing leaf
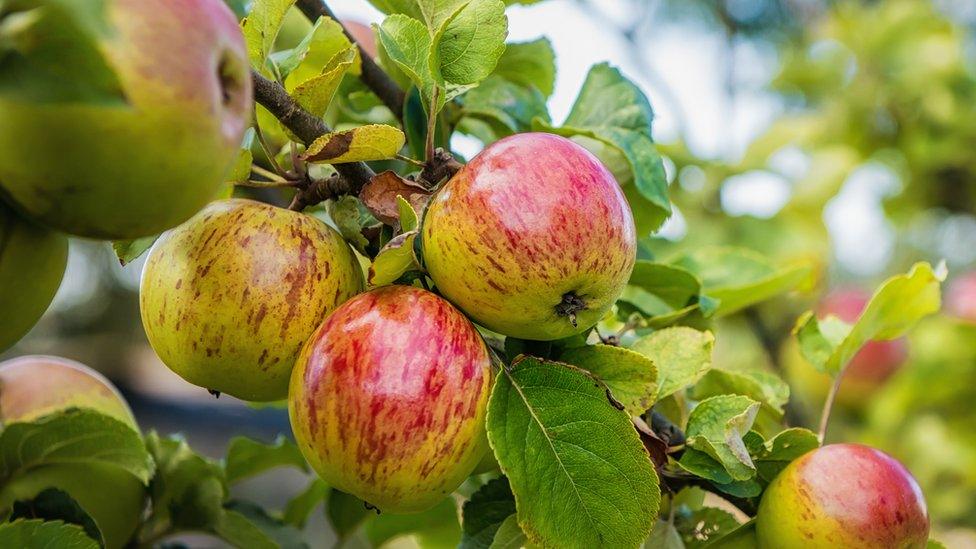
(394, 260)
(260, 28)
(362, 144)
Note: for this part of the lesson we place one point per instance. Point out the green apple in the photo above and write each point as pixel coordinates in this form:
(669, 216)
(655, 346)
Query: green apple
(229, 297)
(35, 386)
(843, 495)
(32, 262)
(151, 158)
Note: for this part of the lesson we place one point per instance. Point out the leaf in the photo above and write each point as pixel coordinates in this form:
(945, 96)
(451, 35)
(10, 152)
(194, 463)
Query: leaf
(322, 48)
(53, 504)
(743, 537)
(260, 29)
(247, 458)
(394, 260)
(612, 109)
(346, 513)
(631, 376)
(301, 506)
(739, 278)
(39, 534)
(466, 46)
(316, 93)
(506, 107)
(408, 217)
(716, 427)
(782, 449)
(484, 513)
(509, 535)
(682, 356)
(188, 490)
(75, 436)
(664, 536)
(240, 172)
(700, 526)
(529, 64)
(673, 285)
(895, 307)
(559, 439)
(435, 528)
(350, 217)
(130, 250)
(758, 385)
(361, 144)
(407, 43)
(247, 525)
(380, 195)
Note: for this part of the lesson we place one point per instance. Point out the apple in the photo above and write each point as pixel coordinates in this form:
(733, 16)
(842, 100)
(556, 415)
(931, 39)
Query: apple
(32, 263)
(961, 297)
(34, 386)
(151, 159)
(229, 297)
(532, 239)
(843, 495)
(389, 396)
(363, 35)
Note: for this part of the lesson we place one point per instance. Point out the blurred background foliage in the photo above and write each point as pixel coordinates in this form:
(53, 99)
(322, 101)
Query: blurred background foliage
(845, 133)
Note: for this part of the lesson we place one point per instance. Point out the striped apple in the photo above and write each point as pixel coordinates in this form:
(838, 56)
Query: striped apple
(388, 398)
(532, 239)
(843, 495)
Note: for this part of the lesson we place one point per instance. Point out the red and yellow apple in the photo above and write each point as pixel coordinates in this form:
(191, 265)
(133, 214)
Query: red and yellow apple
(532, 239)
(960, 299)
(32, 262)
(229, 297)
(388, 398)
(32, 387)
(843, 495)
(153, 157)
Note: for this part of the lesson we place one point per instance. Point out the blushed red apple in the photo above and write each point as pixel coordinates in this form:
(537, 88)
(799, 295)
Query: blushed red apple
(532, 239)
(960, 298)
(389, 396)
(843, 495)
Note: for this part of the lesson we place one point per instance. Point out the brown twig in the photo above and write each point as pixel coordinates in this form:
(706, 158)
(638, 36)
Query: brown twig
(372, 75)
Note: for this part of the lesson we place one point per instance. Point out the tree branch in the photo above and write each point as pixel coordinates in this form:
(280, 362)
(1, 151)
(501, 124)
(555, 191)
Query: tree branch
(372, 75)
(308, 128)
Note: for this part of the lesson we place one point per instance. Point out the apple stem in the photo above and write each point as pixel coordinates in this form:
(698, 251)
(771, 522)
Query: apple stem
(828, 406)
(432, 122)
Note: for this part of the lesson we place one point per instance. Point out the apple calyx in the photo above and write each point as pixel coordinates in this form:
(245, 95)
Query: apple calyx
(570, 305)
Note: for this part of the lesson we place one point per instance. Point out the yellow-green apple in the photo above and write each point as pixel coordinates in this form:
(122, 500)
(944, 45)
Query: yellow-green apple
(32, 262)
(35, 386)
(874, 364)
(961, 297)
(532, 239)
(389, 396)
(229, 297)
(843, 495)
(154, 157)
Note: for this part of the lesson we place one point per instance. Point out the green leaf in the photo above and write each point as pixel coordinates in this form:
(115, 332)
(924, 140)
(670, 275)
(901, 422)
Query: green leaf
(244, 524)
(407, 43)
(360, 144)
(485, 512)
(301, 506)
(188, 490)
(664, 536)
(896, 306)
(53, 504)
(613, 110)
(630, 376)
(529, 64)
(743, 537)
(739, 278)
(935, 545)
(674, 286)
(716, 427)
(758, 385)
(394, 260)
(506, 107)
(509, 535)
(75, 436)
(52, 52)
(39, 534)
(346, 513)
(782, 449)
(682, 356)
(559, 439)
(130, 250)
(408, 217)
(315, 93)
(350, 216)
(467, 44)
(700, 526)
(260, 29)
(435, 528)
(320, 48)
(240, 172)
(247, 458)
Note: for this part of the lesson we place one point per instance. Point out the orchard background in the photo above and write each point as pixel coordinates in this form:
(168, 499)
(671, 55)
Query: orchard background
(800, 157)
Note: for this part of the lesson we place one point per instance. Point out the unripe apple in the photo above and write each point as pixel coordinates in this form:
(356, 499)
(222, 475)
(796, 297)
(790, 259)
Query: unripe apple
(150, 160)
(532, 239)
(32, 262)
(229, 297)
(843, 495)
(389, 396)
(961, 297)
(35, 386)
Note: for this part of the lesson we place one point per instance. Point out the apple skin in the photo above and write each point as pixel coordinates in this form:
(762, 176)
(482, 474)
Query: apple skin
(961, 297)
(34, 386)
(116, 171)
(363, 34)
(388, 398)
(532, 219)
(32, 263)
(229, 297)
(843, 495)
